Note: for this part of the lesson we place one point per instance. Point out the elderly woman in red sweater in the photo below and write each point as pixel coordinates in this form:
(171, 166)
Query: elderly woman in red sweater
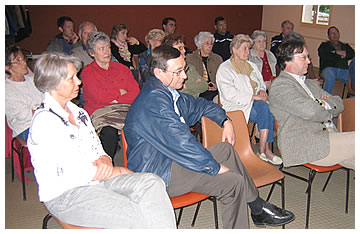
(106, 82)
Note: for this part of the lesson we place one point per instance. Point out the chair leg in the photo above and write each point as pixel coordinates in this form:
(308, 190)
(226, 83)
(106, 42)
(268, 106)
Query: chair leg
(196, 213)
(179, 218)
(342, 96)
(215, 213)
(45, 221)
(312, 174)
(270, 192)
(12, 159)
(327, 181)
(21, 159)
(283, 196)
(347, 190)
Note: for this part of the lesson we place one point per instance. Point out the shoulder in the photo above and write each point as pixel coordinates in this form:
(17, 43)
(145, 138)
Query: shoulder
(216, 57)
(277, 37)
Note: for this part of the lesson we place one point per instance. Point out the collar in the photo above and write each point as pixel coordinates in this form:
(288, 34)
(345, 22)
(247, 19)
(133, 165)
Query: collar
(300, 79)
(236, 68)
(175, 94)
(50, 102)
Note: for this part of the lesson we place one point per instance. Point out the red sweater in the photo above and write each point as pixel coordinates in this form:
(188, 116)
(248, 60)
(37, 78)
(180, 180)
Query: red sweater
(101, 86)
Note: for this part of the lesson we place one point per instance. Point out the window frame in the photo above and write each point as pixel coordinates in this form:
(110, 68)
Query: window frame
(313, 23)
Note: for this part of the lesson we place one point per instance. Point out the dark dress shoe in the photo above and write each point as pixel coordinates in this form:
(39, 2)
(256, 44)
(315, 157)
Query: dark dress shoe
(272, 215)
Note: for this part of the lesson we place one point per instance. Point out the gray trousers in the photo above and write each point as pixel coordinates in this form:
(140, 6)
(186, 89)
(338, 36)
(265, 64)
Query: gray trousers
(233, 189)
(136, 200)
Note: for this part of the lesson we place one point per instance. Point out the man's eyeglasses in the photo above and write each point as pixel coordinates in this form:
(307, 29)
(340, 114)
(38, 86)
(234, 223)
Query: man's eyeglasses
(178, 73)
(302, 57)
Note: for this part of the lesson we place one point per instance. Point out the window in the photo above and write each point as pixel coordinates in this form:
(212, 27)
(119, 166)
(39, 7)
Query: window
(316, 14)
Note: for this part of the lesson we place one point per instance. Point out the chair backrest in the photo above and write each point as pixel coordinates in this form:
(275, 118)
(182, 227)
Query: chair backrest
(212, 134)
(125, 145)
(346, 119)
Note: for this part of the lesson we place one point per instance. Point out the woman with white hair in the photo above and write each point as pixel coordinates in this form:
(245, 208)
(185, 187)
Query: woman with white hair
(242, 87)
(264, 59)
(206, 62)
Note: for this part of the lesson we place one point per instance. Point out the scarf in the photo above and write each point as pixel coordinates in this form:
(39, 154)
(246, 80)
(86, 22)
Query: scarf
(123, 50)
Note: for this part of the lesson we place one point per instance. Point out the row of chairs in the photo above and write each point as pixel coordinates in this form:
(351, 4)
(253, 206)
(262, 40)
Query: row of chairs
(261, 172)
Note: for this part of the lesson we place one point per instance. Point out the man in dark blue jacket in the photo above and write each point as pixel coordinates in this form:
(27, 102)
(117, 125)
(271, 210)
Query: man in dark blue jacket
(159, 141)
(223, 39)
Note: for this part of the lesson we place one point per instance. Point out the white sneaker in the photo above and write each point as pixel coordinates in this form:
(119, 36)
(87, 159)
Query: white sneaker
(275, 161)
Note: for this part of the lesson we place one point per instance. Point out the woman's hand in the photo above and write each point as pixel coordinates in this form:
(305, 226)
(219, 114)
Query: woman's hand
(124, 170)
(132, 41)
(260, 96)
(123, 92)
(104, 168)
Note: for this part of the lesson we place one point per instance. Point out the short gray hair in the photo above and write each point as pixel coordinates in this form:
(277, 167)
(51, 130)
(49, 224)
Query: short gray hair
(52, 68)
(82, 25)
(238, 40)
(257, 33)
(200, 38)
(94, 38)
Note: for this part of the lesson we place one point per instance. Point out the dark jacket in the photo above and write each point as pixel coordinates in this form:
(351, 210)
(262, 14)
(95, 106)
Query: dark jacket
(330, 59)
(275, 42)
(156, 137)
(133, 49)
(59, 44)
(222, 45)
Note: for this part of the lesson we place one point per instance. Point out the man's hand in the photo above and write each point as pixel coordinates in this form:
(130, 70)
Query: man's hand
(104, 168)
(74, 38)
(228, 134)
(223, 169)
(124, 170)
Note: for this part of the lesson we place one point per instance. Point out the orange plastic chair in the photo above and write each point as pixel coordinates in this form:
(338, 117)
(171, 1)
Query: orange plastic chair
(346, 122)
(184, 200)
(261, 172)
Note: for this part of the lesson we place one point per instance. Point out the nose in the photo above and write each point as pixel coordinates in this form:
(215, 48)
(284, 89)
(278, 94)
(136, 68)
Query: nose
(77, 81)
(183, 75)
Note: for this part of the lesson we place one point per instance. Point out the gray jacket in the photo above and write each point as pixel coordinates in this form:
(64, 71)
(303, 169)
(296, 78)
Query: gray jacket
(302, 135)
(253, 57)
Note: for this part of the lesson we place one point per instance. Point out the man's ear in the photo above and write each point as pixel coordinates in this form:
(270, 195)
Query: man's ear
(157, 72)
(215, 27)
(61, 29)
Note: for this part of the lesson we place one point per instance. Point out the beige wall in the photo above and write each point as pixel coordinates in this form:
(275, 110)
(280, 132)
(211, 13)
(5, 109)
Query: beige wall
(343, 17)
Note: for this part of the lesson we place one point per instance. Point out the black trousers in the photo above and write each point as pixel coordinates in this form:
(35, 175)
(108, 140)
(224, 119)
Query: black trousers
(109, 138)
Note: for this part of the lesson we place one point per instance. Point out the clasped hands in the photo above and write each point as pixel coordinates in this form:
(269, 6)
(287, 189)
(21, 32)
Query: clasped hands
(105, 170)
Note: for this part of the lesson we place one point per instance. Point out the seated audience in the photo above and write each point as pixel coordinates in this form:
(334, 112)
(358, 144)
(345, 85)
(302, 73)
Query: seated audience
(305, 112)
(222, 39)
(67, 39)
(194, 84)
(21, 96)
(286, 27)
(334, 56)
(153, 39)
(311, 71)
(85, 29)
(242, 87)
(169, 25)
(77, 182)
(206, 62)
(159, 141)
(264, 59)
(123, 47)
(106, 82)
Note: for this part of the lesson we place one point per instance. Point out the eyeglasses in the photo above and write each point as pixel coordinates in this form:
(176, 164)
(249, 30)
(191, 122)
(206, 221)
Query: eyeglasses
(178, 73)
(19, 61)
(302, 57)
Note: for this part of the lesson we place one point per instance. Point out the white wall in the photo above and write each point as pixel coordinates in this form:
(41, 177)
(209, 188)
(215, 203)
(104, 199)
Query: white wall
(343, 17)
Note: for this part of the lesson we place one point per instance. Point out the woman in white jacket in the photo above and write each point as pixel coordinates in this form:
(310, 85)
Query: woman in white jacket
(242, 87)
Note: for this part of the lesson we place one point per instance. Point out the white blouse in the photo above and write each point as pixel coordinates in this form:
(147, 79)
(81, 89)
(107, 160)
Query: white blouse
(62, 154)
